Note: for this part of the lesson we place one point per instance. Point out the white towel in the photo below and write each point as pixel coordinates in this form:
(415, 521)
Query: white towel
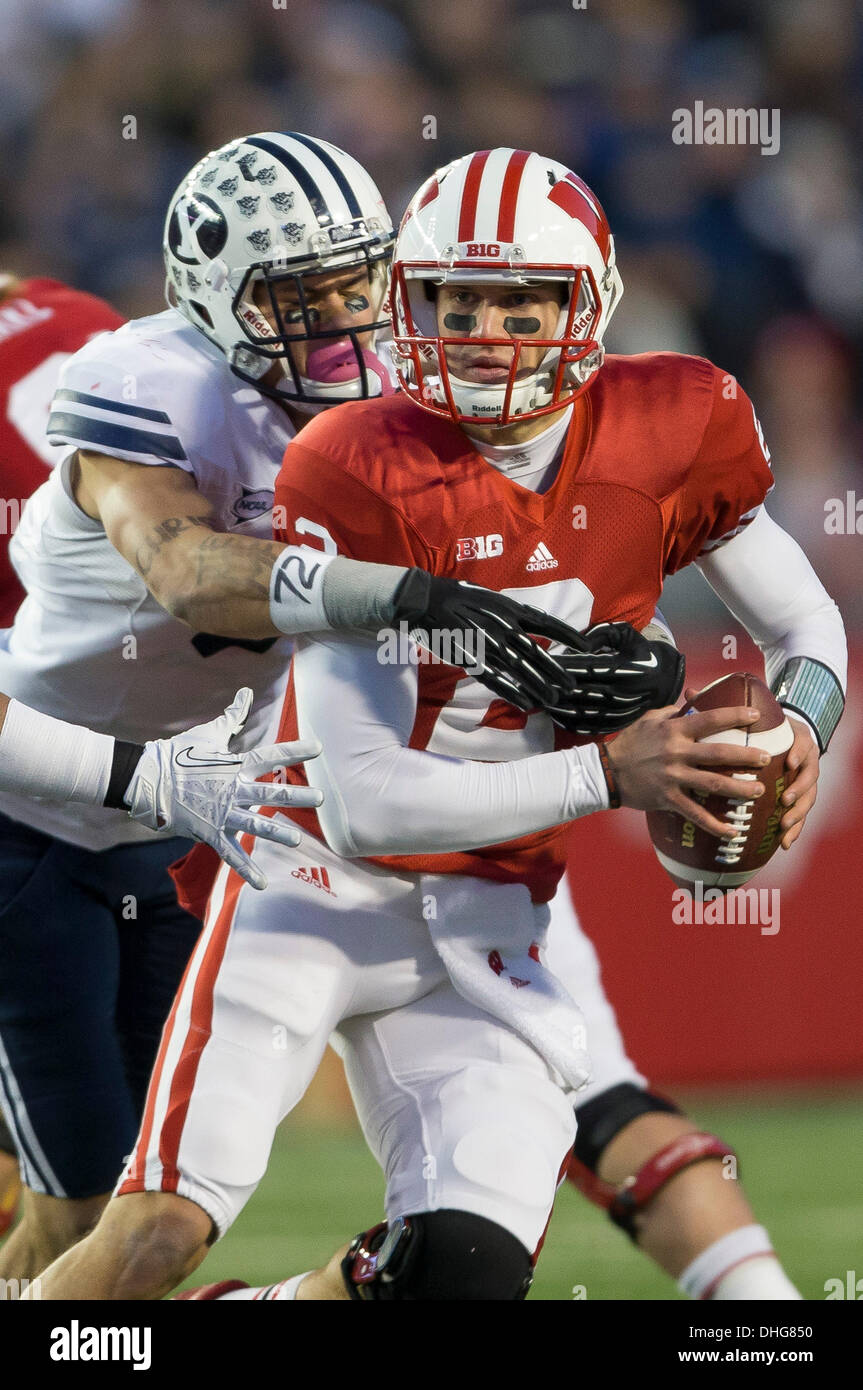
(489, 936)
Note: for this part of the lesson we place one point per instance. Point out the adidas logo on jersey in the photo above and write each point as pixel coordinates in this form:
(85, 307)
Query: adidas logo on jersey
(318, 878)
(542, 559)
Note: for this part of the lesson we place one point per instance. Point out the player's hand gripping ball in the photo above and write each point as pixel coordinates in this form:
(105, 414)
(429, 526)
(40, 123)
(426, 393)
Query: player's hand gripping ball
(690, 854)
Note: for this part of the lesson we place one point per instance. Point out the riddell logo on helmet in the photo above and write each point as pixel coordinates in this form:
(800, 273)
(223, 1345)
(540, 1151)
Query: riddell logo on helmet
(256, 321)
(490, 249)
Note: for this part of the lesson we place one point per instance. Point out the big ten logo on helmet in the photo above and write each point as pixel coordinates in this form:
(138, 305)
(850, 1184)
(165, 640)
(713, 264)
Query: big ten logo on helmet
(490, 249)
(479, 547)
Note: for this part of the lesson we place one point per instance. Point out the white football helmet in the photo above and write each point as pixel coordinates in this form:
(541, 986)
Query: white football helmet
(509, 218)
(266, 208)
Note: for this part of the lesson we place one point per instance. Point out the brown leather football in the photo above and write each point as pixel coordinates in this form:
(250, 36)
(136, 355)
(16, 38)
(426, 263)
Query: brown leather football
(690, 854)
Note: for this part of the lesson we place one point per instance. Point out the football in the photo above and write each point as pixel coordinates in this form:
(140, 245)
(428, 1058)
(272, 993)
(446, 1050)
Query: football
(688, 853)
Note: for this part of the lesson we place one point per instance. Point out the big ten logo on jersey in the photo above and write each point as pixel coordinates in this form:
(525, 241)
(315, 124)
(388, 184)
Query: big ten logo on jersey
(479, 547)
(489, 249)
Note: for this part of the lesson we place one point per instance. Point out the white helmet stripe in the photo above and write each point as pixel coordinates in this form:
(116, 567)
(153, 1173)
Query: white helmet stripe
(338, 174)
(325, 197)
(490, 195)
(296, 169)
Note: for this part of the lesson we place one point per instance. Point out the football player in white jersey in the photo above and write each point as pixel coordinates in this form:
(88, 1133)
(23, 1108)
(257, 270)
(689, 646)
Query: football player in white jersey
(189, 785)
(154, 589)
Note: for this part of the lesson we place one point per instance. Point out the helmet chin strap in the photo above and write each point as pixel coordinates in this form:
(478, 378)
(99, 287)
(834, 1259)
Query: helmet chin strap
(251, 364)
(336, 392)
(488, 401)
(338, 389)
(531, 393)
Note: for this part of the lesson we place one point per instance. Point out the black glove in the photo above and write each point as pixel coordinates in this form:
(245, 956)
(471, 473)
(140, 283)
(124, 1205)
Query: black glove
(487, 634)
(617, 678)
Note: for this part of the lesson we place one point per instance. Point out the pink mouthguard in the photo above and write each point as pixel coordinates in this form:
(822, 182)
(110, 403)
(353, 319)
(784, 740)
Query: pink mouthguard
(338, 362)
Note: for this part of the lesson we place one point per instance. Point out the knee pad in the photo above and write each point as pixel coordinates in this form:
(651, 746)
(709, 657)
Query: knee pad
(600, 1119)
(437, 1256)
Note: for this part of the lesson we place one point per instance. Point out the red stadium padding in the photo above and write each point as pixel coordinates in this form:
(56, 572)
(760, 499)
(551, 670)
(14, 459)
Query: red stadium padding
(715, 1003)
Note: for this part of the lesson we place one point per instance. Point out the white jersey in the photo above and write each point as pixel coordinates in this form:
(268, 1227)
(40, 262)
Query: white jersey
(90, 644)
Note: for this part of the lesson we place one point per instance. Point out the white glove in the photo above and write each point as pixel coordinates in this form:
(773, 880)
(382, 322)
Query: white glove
(192, 784)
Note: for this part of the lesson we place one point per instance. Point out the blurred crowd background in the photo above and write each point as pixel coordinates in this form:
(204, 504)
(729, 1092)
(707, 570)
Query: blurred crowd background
(753, 260)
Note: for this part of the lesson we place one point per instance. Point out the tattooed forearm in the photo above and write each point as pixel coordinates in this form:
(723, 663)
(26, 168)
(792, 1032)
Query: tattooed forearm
(239, 565)
(161, 536)
(215, 581)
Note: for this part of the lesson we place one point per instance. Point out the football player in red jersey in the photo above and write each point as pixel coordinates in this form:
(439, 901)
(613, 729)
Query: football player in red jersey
(173, 430)
(417, 932)
(42, 322)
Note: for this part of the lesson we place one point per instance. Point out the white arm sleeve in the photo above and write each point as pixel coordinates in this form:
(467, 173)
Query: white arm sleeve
(47, 758)
(766, 581)
(382, 797)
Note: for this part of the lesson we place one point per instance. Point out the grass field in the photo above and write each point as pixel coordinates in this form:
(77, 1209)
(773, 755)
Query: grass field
(800, 1161)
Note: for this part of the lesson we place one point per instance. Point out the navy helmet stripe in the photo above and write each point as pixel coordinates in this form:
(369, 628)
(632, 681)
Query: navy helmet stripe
(302, 176)
(110, 436)
(338, 174)
(117, 407)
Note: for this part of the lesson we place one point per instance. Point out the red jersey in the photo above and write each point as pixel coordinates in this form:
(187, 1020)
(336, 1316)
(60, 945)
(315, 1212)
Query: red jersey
(41, 324)
(663, 460)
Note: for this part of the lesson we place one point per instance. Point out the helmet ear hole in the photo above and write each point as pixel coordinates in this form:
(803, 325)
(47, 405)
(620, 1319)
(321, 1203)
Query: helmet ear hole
(202, 311)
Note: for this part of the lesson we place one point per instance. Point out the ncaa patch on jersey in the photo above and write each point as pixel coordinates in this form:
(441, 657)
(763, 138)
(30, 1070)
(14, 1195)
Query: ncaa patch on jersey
(253, 503)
